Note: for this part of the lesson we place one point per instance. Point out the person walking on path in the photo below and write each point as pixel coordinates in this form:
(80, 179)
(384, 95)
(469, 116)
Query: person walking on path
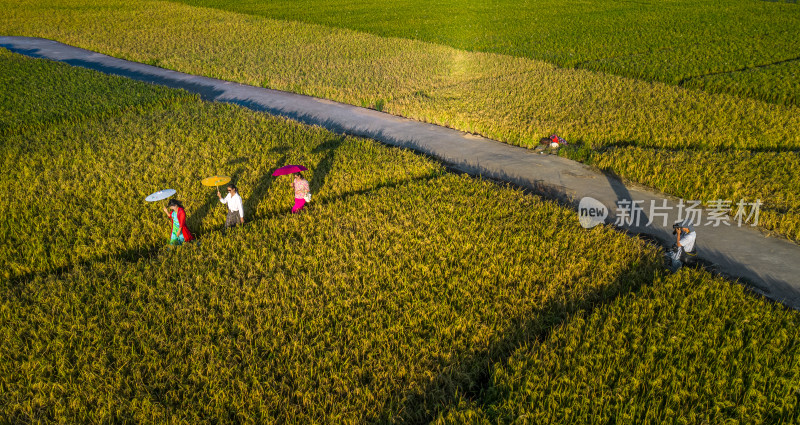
(684, 242)
(235, 206)
(302, 192)
(180, 233)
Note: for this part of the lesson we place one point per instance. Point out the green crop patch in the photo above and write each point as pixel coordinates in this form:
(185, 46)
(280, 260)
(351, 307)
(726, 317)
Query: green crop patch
(28, 100)
(652, 40)
(687, 349)
(776, 83)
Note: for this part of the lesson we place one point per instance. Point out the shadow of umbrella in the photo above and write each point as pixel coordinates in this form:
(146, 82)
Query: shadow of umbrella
(239, 160)
(325, 164)
(261, 187)
(470, 376)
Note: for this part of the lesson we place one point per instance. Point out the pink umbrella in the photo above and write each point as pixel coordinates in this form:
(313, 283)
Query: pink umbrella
(289, 169)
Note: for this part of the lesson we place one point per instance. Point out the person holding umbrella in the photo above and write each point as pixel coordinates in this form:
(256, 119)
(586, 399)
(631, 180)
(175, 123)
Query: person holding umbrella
(180, 233)
(235, 207)
(302, 191)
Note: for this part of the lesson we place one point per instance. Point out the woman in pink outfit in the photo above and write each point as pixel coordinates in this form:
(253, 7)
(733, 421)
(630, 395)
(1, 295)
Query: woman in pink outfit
(302, 193)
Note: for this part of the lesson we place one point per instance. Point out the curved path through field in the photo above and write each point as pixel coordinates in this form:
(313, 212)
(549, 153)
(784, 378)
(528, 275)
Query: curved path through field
(770, 266)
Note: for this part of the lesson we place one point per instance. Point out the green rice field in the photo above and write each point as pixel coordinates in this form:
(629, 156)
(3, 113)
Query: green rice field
(731, 143)
(404, 294)
(725, 47)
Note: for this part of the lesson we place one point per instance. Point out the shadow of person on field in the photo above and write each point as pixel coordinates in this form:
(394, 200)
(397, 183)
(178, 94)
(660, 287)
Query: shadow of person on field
(16, 285)
(325, 164)
(238, 161)
(723, 265)
(262, 186)
(470, 377)
(635, 220)
(322, 201)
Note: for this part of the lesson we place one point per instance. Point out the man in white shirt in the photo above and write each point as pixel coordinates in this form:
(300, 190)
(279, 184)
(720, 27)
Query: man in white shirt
(685, 239)
(235, 207)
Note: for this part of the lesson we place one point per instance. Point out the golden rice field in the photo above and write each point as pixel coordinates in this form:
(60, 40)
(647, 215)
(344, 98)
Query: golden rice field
(395, 297)
(396, 287)
(733, 147)
(617, 364)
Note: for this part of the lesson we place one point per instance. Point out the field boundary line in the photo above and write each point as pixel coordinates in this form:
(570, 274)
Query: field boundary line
(768, 265)
(685, 80)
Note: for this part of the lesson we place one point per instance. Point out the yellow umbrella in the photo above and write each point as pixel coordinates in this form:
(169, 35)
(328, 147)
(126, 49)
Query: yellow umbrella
(215, 180)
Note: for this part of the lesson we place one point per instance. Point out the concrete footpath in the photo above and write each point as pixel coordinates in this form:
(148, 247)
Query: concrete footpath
(770, 266)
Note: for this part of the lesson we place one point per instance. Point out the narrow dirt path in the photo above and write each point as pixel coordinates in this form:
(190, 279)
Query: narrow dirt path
(770, 266)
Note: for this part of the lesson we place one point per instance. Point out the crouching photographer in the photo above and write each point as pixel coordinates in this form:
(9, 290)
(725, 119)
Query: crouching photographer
(685, 237)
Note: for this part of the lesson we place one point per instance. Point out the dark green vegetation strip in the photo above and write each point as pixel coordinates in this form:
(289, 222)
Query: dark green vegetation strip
(26, 99)
(733, 47)
(687, 349)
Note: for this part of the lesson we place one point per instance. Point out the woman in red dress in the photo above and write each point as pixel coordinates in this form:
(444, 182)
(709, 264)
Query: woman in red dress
(180, 233)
